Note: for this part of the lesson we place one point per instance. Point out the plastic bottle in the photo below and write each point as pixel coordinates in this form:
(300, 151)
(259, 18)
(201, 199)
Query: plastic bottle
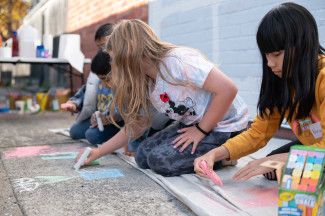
(55, 104)
(15, 49)
(55, 100)
(40, 51)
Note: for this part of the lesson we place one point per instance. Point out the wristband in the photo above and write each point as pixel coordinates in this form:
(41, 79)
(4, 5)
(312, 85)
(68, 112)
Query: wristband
(201, 130)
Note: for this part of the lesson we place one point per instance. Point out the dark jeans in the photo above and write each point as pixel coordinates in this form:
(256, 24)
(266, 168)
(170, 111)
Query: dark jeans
(82, 130)
(134, 144)
(158, 154)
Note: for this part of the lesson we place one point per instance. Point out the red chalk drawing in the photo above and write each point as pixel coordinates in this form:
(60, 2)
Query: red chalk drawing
(259, 197)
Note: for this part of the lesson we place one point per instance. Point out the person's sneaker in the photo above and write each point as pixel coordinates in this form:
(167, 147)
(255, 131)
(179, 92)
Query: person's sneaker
(229, 162)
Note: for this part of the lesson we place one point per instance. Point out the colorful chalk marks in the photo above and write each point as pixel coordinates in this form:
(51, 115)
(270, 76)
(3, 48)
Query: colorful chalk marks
(53, 179)
(259, 197)
(32, 151)
(302, 182)
(28, 151)
(100, 174)
(59, 156)
(30, 184)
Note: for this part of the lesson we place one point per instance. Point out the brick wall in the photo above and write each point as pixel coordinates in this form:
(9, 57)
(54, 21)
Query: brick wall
(225, 32)
(84, 17)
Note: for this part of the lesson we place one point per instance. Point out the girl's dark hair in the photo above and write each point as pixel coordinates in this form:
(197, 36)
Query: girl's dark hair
(292, 28)
(103, 31)
(100, 64)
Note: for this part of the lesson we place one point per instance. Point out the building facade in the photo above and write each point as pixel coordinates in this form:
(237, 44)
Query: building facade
(224, 30)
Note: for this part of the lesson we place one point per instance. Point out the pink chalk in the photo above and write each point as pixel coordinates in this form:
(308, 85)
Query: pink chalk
(31, 151)
(259, 197)
(28, 151)
(210, 173)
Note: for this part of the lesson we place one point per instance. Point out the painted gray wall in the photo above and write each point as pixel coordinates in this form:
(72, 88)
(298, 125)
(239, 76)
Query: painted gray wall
(224, 30)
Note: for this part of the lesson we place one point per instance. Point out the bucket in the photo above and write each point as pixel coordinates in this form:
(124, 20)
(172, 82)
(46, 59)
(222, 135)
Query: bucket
(42, 99)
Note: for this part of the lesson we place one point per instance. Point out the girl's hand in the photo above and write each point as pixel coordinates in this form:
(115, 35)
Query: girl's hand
(94, 154)
(252, 168)
(188, 135)
(217, 154)
(105, 119)
(209, 158)
(93, 121)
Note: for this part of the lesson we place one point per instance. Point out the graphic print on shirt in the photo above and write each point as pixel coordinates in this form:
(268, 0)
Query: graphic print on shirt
(183, 108)
(104, 98)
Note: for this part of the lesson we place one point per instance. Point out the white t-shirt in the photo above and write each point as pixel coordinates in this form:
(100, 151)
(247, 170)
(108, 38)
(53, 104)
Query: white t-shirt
(189, 103)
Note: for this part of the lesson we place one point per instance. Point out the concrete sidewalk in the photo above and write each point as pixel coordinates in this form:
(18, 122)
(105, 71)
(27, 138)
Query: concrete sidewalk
(37, 178)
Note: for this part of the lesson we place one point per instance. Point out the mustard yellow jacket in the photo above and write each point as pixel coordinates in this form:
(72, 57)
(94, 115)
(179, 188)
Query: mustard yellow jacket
(262, 130)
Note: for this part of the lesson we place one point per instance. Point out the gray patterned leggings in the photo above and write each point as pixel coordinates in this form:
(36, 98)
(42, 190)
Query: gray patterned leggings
(157, 152)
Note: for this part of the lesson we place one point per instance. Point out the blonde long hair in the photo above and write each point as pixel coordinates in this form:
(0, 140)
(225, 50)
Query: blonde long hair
(133, 42)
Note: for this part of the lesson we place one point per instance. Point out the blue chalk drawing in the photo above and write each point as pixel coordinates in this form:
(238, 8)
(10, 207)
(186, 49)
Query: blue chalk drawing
(101, 174)
(59, 156)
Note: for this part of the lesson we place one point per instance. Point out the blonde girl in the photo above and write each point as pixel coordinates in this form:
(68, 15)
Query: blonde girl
(149, 76)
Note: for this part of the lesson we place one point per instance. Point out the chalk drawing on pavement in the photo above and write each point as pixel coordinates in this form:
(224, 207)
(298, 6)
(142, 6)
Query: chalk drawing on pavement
(46, 150)
(59, 156)
(25, 184)
(30, 184)
(95, 174)
(28, 151)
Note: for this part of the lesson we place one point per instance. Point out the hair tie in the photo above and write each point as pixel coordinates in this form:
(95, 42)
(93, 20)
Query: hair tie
(201, 130)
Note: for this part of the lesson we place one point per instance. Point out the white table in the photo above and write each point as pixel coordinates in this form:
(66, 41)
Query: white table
(48, 61)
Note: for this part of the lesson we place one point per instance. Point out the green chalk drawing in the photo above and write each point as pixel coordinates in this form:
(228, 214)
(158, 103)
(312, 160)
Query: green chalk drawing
(52, 179)
(59, 156)
(30, 184)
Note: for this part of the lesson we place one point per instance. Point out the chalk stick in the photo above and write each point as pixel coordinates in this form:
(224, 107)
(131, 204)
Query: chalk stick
(82, 158)
(210, 173)
(99, 121)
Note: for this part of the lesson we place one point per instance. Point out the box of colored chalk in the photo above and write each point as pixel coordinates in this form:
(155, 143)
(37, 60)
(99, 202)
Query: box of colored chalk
(302, 182)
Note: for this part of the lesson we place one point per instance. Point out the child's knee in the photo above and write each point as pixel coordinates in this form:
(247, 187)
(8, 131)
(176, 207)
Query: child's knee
(160, 165)
(74, 133)
(91, 136)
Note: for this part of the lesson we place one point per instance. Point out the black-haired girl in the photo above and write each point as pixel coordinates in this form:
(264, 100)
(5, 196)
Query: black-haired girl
(293, 88)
